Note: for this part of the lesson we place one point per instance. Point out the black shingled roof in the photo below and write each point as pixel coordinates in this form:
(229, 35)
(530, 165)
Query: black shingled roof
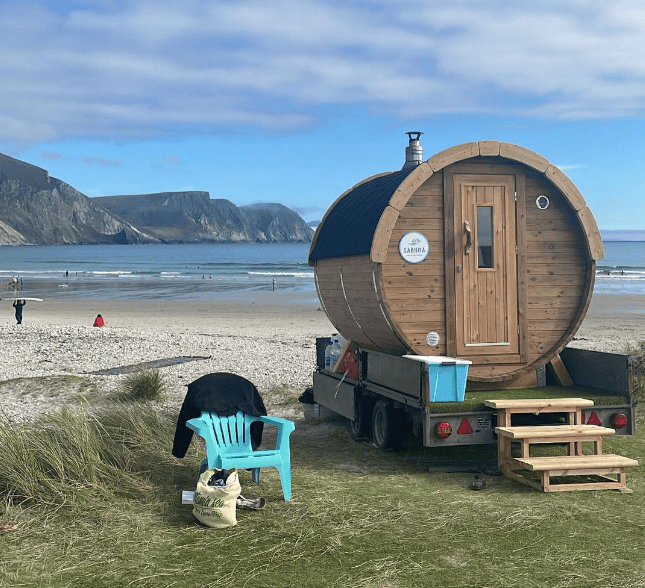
(350, 226)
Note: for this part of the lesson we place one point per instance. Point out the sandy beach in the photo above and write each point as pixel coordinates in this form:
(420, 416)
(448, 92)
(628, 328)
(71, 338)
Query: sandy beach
(268, 338)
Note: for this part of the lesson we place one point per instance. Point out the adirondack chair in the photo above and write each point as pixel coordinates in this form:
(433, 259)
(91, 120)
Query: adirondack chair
(228, 445)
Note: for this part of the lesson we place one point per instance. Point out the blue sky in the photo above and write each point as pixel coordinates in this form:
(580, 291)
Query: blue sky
(294, 101)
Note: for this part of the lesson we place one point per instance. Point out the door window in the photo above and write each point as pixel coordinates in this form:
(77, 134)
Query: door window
(485, 237)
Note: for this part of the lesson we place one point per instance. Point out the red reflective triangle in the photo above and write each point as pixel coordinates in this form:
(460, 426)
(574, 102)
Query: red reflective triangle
(465, 428)
(593, 419)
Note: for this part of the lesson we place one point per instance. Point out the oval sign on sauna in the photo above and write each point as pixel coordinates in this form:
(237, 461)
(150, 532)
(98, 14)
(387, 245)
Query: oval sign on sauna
(414, 247)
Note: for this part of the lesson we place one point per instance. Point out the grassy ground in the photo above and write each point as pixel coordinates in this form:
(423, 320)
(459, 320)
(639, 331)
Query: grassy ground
(93, 499)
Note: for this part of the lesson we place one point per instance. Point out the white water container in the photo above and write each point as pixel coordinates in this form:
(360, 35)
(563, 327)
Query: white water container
(334, 352)
(328, 364)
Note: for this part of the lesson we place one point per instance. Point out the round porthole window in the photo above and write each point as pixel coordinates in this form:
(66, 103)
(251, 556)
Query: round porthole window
(542, 202)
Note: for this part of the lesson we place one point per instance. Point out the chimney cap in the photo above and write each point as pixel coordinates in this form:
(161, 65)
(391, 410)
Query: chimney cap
(414, 151)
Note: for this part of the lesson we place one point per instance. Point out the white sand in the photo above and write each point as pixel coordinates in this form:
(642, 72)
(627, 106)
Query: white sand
(270, 344)
(268, 338)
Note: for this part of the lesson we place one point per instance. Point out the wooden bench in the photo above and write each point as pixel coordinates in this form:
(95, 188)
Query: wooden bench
(574, 434)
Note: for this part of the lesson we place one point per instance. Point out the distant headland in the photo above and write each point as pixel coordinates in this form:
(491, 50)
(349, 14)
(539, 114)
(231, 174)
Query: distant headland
(37, 209)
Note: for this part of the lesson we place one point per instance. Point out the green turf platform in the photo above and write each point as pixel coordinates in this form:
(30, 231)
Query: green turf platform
(474, 401)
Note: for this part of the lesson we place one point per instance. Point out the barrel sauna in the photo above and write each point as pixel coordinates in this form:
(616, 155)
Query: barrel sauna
(485, 252)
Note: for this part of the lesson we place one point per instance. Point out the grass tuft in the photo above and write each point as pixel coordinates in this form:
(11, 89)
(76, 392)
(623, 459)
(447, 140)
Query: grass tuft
(142, 386)
(637, 355)
(63, 454)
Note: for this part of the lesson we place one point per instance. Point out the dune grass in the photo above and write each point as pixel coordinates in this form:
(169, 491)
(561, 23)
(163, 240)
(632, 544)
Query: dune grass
(143, 385)
(92, 498)
(637, 355)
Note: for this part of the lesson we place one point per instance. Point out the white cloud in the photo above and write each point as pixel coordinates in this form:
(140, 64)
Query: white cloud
(137, 68)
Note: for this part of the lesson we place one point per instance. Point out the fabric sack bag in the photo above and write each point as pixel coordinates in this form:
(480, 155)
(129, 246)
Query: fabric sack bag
(214, 505)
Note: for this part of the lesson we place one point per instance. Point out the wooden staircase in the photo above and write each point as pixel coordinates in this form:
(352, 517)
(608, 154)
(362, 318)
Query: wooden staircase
(590, 472)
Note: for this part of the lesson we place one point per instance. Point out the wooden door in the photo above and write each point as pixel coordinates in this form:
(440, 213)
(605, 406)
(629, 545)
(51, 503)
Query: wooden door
(486, 278)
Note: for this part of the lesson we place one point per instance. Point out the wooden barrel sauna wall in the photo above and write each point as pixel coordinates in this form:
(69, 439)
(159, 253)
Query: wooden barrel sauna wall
(485, 252)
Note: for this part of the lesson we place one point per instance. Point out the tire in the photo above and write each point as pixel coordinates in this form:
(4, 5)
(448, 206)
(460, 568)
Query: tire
(361, 428)
(386, 426)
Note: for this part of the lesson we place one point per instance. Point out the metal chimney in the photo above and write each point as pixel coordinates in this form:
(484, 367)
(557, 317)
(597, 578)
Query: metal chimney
(414, 151)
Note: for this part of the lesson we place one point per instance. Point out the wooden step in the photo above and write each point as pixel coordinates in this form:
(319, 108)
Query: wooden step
(563, 465)
(506, 407)
(588, 472)
(574, 435)
(555, 433)
(539, 404)
(576, 467)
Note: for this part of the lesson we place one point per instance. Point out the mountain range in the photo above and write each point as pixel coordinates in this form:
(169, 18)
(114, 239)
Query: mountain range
(38, 209)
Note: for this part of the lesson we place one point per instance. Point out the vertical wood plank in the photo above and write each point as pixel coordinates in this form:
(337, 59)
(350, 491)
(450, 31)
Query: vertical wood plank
(522, 288)
(511, 268)
(450, 264)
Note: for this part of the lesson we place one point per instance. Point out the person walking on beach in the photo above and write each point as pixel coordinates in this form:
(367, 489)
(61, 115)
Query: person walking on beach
(98, 321)
(18, 304)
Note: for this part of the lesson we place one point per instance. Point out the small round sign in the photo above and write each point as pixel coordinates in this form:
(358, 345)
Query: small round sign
(432, 338)
(414, 247)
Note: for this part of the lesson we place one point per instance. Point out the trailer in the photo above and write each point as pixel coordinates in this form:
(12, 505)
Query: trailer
(391, 398)
(468, 274)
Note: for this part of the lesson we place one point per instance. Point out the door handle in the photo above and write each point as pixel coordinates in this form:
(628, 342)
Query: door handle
(469, 238)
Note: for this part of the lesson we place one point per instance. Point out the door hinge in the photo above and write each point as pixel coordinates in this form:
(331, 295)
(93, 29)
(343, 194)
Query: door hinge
(517, 250)
(515, 196)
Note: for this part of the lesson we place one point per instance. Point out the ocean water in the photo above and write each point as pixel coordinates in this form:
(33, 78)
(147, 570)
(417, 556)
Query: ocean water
(175, 272)
(202, 271)
(622, 271)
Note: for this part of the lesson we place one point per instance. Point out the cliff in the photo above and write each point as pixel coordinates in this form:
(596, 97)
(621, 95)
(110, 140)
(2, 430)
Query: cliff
(194, 217)
(275, 222)
(38, 209)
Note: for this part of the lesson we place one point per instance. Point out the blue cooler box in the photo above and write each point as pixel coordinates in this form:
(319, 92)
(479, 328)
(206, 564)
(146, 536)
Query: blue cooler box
(447, 377)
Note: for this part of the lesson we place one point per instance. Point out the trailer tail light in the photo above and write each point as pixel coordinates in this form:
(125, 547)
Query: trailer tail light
(443, 430)
(619, 420)
(594, 420)
(465, 428)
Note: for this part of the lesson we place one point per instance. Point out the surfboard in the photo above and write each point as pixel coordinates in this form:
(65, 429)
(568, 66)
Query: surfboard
(21, 298)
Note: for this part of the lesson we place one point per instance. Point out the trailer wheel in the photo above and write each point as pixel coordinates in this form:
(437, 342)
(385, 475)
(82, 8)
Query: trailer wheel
(386, 426)
(361, 428)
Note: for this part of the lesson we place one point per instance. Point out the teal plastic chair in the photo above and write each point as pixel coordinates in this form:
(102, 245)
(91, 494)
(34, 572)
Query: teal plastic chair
(228, 445)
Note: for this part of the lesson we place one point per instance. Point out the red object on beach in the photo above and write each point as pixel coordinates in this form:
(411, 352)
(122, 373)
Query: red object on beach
(98, 321)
